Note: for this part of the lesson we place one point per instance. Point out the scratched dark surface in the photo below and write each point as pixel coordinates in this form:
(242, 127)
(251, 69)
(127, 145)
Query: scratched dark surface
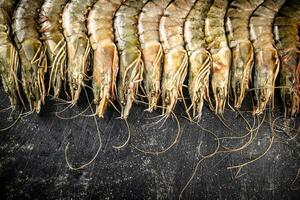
(33, 166)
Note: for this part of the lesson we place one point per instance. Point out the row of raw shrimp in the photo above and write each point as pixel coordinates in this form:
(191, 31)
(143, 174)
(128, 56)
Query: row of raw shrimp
(151, 46)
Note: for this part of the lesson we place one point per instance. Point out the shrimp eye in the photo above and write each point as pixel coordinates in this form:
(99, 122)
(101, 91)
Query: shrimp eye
(263, 98)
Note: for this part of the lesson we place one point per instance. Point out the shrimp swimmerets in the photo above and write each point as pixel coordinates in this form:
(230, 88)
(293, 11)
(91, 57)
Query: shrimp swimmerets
(9, 59)
(152, 49)
(176, 57)
(52, 35)
(74, 23)
(31, 51)
(287, 43)
(267, 61)
(105, 63)
(221, 54)
(199, 58)
(237, 27)
(131, 64)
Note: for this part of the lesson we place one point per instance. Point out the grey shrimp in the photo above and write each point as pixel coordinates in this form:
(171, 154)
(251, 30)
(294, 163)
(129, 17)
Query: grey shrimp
(32, 52)
(131, 64)
(9, 59)
(176, 57)
(237, 27)
(52, 35)
(220, 51)
(74, 22)
(151, 48)
(267, 61)
(200, 61)
(106, 59)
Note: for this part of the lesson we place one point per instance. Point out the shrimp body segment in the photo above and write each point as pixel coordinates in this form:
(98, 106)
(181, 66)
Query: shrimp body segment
(52, 34)
(237, 27)
(131, 64)
(9, 60)
(287, 42)
(151, 48)
(200, 61)
(105, 59)
(175, 56)
(267, 61)
(220, 51)
(31, 51)
(74, 22)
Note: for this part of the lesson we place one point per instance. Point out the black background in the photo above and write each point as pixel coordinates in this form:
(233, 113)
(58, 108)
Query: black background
(33, 166)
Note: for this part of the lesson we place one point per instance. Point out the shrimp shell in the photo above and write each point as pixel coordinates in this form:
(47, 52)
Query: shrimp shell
(176, 57)
(221, 54)
(74, 23)
(9, 60)
(199, 58)
(31, 51)
(148, 27)
(52, 35)
(105, 63)
(287, 43)
(237, 26)
(267, 61)
(131, 64)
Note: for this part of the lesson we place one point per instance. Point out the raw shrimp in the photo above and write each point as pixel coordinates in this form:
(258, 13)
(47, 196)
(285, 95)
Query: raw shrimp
(267, 62)
(176, 57)
(287, 40)
(74, 23)
(106, 60)
(131, 64)
(237, 24)
(221, 54)
(199, 58)
(52, 34)
(152, 49)
(9, 60)
(31, 51)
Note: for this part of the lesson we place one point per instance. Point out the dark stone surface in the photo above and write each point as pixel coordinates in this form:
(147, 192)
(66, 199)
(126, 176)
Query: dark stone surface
(33, 166)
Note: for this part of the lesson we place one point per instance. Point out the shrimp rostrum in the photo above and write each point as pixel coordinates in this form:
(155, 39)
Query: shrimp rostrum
(105, 59)
(220, 51)
(131, 64)
(31, 51)
(9, 60)
(267, 61)
(74, 22)
(237, 27)
(200, 61)
(287, 41)
(175, 55)
(52, 34)
(148, 27)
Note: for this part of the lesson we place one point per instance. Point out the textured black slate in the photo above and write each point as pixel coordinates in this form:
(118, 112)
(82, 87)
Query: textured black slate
(32, 163)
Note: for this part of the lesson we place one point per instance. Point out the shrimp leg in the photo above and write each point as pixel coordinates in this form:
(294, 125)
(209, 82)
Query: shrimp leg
(31, 51)
(221, 54)
(267, 61)
(78, 46)
(9, 59)
(176, 57)
(52, 34)
(105, 63)
(199, 58)
(237, 27)
(131, 64)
